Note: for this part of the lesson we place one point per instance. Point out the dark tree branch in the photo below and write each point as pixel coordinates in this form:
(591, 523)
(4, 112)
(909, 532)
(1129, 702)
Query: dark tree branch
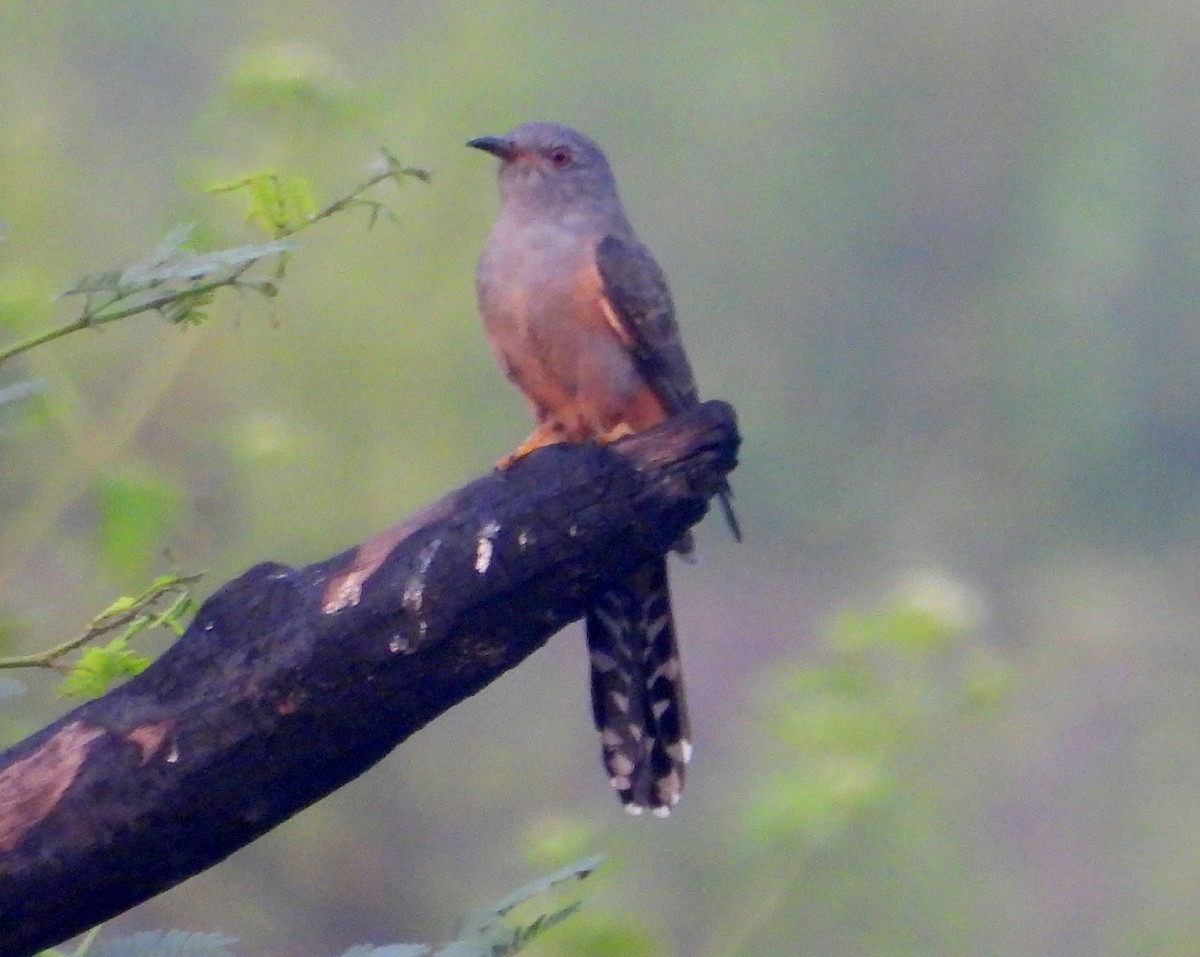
(291, 682)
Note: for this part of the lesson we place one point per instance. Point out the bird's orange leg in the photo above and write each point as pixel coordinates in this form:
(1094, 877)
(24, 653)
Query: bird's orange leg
(547, 433)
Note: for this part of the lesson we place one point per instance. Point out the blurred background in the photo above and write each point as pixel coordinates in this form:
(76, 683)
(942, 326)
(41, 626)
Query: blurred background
(942, 259)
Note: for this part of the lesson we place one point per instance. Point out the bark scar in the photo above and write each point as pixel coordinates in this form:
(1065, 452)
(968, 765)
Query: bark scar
(31, 788)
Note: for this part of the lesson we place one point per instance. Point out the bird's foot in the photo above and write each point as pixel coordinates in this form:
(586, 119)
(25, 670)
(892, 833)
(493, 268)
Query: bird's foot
(540, 437)
(618, 431)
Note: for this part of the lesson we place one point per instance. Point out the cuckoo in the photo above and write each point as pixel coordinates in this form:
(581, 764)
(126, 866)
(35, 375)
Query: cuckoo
(579, 316)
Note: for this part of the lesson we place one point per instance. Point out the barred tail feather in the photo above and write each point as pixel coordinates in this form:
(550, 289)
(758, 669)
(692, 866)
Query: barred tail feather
(637, 691)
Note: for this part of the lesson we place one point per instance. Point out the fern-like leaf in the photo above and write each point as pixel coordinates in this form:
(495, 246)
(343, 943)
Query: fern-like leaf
(478, 921)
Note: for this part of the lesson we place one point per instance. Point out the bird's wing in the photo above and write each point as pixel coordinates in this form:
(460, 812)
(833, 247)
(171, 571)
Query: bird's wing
(638, 306)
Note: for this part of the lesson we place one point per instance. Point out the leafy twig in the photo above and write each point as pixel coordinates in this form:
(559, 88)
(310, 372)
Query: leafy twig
(144, 288)
(483, 934)
(127, 614)
(393, 170)
(284, 207)
(177, 283)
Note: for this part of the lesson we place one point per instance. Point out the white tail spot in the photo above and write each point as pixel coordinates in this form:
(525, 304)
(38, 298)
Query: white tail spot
(669, 669)
(681, 751)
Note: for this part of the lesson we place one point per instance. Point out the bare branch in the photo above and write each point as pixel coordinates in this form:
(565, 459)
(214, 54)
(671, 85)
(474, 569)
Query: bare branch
(291, 682)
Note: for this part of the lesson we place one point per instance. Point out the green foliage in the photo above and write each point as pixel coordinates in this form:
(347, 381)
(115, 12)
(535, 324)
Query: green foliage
(97, 668)
(125, 618)
(165, 586)
(494, 931)
(488, 932)
(179, 284)
(282, 205)
(174, 281)
(133, 513)
(277, 204)
(889, 677)
(135, 509)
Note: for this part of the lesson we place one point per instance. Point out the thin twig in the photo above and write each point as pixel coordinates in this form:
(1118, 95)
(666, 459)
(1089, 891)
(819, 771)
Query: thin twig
(90, 319)
(102, 624)
(94, 316)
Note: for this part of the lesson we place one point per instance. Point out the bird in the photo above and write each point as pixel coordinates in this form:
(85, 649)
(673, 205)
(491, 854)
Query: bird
(579, 316)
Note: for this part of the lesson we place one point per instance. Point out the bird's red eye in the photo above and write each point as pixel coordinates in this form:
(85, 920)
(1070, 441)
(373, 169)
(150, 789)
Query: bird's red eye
(560, 156)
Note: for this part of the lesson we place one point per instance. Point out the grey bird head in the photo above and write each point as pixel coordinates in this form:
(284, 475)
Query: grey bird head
(549, 166)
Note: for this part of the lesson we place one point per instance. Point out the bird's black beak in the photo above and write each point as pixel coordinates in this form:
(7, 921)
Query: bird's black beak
(496, 145)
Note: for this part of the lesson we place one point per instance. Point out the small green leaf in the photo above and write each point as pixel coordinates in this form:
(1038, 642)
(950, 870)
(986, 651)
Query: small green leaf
(122, 604)
(189, 267)
(179, 608)
(98, 668)
(296, 199)
(277, 205)
(477, 921)
(139, 624)
(523, 935)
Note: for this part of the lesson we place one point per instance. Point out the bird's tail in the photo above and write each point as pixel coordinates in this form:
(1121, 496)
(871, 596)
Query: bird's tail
(637, 690)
